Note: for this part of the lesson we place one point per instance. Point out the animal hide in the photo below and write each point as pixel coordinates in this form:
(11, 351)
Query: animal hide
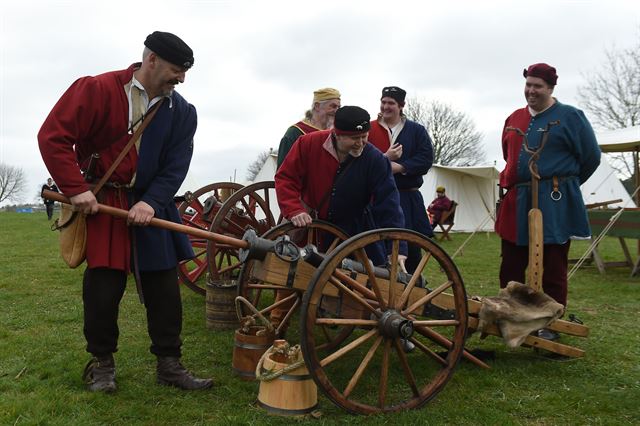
(518, 310)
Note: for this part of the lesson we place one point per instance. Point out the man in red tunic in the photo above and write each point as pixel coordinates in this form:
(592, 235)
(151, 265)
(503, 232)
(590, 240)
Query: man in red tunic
(97, 115)
(320, 117)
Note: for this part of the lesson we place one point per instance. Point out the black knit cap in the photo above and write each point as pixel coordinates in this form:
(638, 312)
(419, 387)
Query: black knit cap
(171, 48)
(351, 120)
(395, 93)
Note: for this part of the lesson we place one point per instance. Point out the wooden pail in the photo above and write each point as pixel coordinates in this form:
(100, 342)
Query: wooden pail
(248, 348)
(220, 305)
(292, 393)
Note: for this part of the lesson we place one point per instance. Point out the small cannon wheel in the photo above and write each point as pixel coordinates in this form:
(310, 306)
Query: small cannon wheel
(264, 296)
(199, 212)
(378, 371)
(248, 208)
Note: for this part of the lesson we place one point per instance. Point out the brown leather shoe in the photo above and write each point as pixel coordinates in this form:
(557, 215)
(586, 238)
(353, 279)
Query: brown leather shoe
(171, 373)
(100, 374)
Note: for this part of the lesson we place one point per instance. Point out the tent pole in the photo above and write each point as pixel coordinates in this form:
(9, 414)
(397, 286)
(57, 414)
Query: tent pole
(636, 178)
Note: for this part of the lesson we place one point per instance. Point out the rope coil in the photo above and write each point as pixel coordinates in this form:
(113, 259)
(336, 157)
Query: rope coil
(284, 349)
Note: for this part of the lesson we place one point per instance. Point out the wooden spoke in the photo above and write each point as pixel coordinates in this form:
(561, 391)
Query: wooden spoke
(428, 297)
(355, 284)
(412, 282)
(287, 316)
(384, 374)
(354, 295)
(346, 321)
(362, 367)
(279, 303)
(436, 323)
(393, 278)
(333, 245)
(428, 351)
(346, 349)
(408, 374)
(248, 210)
(233, 227)
(362, 257)
(446, 343)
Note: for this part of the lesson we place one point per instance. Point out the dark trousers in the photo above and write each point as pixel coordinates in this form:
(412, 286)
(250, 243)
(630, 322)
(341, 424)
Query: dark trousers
(102, 290)
(515, 260)
(49, 210)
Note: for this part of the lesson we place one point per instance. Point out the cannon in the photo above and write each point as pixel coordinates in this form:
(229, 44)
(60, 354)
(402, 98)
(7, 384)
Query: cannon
(374, 339)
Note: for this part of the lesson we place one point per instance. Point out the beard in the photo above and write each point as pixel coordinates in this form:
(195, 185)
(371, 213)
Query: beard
(356, 152)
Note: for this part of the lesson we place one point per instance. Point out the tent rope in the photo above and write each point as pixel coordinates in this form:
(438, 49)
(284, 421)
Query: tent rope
(600, 237)
(486, 219)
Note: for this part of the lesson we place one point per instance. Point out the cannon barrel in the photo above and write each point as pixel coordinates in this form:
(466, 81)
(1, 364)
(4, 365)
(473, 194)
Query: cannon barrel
(311, 255)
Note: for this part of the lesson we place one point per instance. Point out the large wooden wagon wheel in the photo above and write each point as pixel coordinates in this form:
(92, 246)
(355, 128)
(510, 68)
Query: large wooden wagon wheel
(374, 370)
(277, 301)
(248, 208)
(199, 212)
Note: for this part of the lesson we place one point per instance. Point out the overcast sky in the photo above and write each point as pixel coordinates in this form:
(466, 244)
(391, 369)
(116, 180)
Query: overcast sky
(257, 63)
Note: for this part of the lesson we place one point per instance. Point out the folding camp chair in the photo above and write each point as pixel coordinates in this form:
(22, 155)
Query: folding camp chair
(446, 221)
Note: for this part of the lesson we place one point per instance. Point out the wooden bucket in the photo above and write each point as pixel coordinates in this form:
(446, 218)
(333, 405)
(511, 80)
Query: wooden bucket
(220, 305)
(248, 348)
(291, 394)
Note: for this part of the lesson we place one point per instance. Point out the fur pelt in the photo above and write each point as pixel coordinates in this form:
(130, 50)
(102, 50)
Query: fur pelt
(518, 310)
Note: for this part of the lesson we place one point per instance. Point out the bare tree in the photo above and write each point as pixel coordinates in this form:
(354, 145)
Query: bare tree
(254, 168)
(12, 183)
(611, 96)
(456, 142)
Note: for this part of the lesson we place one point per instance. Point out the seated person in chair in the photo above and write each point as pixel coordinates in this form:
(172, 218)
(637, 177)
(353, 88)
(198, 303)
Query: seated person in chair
(438, 206)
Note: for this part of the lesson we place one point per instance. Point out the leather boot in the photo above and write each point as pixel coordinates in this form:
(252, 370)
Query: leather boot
(100, 374)
(171, 373)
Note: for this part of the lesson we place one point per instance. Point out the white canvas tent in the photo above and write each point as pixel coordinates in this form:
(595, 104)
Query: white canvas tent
(604, 185)
(473, 188)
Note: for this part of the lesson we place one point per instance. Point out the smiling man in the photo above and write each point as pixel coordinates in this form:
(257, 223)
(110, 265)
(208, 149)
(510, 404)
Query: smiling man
(334, 175)
(570, 155)
(95, 119)
(408, 146)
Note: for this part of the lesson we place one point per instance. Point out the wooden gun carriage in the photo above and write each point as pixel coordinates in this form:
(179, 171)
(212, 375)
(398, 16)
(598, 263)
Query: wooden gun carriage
(357, 322)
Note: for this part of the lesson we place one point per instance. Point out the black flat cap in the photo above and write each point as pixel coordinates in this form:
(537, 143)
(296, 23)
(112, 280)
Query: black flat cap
(171, 48)
(351, 120)
(395, 93)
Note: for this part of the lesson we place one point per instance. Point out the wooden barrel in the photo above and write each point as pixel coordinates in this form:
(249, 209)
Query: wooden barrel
(220, 305)
(291, 394)
(248, 349)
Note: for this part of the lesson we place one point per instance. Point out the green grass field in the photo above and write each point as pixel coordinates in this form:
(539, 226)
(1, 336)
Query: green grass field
(42, 353)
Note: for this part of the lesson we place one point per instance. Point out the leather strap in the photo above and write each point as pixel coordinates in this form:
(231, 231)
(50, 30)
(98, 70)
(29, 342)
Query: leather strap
(146, 119)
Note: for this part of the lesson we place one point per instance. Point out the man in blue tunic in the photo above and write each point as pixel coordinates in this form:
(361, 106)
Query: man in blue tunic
(570, 155)
(408, 146)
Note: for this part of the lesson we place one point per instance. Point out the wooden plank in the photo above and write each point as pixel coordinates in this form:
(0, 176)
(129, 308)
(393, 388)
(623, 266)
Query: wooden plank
(534, 341)
(561, 326)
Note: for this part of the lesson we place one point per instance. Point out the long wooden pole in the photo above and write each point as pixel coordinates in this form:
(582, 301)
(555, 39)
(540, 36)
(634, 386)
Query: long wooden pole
(159, 223)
